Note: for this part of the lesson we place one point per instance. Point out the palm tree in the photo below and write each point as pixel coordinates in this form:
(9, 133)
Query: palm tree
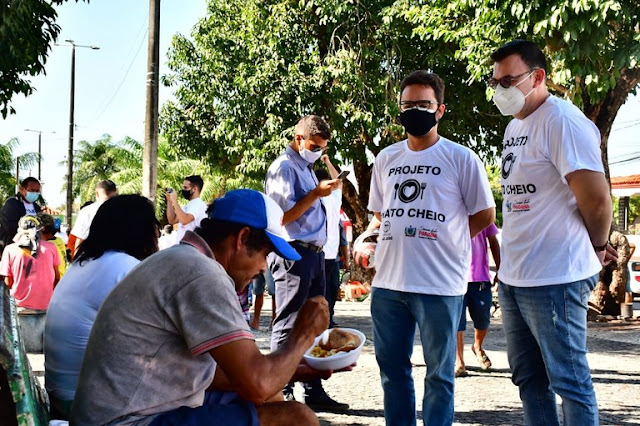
(122, 163)
(8, 166)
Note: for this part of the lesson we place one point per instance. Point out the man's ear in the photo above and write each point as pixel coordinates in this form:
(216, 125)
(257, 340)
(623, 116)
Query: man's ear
(242, 239)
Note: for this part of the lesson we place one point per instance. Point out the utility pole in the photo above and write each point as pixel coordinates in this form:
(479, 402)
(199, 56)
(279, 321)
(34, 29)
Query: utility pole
(150, 153)
(69, 211)
(39, 151)
(17, 174)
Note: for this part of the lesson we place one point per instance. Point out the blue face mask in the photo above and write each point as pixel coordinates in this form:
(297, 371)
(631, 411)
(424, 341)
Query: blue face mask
(32, 196)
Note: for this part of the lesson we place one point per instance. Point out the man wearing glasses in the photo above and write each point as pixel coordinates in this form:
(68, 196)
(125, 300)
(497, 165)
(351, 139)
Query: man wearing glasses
(292, 183)
(552, 178)
(429, 196)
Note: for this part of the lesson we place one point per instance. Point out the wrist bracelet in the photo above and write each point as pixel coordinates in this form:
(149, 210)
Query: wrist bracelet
(602, 247)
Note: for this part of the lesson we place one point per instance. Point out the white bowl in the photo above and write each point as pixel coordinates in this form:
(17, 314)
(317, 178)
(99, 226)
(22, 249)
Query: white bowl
(335, 361)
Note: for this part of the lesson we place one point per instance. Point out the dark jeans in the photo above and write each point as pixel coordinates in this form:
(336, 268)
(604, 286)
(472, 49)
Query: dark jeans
(295, 283)
(332, 272)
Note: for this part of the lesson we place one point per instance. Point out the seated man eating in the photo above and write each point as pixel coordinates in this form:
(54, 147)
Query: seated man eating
(170, 344)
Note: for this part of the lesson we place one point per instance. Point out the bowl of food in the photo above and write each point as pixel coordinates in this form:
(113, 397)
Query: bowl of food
(342, 349)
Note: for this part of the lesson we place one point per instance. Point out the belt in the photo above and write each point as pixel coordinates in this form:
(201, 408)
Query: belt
(309, 246)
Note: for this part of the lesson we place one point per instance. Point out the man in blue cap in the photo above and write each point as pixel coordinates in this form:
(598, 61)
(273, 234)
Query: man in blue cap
(170, 344)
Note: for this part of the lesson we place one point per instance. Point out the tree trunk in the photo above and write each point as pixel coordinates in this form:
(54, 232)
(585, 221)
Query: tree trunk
(610, 290)
(609, 293)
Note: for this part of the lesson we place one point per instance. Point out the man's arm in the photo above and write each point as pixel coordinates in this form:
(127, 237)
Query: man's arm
(333, 172)
(56, 278)
(175, 213)
(323, 189)
(269, 373)
(480, 220)
(594, 203)
(494, 246)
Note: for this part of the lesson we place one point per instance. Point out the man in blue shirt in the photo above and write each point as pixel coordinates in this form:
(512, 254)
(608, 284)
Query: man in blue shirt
(292, 183)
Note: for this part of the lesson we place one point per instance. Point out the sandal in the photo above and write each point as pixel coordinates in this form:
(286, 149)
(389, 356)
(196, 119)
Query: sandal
(483, 359)
(461, 372)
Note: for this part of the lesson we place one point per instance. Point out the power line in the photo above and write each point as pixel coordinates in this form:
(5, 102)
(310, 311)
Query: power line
(123, 78)
(637, 157)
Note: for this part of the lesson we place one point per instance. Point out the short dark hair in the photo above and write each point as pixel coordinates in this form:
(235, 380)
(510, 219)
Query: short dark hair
(28, 180)
(313, 125)
(196, 180)
(214, 231)
(134, 217)
(108, 186)
(530, 53)
(425, 78)
(322, 174)
(47, 221)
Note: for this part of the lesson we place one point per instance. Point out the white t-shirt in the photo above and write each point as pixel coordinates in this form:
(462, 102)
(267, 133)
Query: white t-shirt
(72, 311)
(544, 239)
(83, 221)
(198, 209)
(332, 204)
(29, 208)
(425, 199)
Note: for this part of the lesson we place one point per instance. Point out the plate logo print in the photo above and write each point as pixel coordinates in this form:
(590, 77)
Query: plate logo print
(507, 164)
(409, 190)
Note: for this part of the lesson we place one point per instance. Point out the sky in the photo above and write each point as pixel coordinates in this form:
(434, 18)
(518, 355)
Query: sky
(110, 86)
(110, 83)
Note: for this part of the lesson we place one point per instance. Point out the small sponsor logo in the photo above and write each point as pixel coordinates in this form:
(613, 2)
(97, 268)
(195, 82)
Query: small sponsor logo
(409, 231)
(386, 226)
(387, 238)
(518, 206)
(428, 234)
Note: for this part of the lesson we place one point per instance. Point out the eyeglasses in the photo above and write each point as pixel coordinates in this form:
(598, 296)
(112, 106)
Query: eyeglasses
(423, 105)
(507, 80)
(318, 148)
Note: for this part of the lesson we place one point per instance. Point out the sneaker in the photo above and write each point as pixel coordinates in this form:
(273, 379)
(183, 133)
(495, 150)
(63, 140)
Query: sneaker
(324, 402)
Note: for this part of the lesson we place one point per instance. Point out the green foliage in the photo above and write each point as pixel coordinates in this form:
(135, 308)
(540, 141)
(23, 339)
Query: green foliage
(590, 45)
(27, 30)
(493, 172)
(255, 67)
(8, 167)
(634, 208)
(122, 163)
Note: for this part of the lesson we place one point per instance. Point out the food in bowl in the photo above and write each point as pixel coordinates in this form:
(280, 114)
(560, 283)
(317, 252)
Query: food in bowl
(339, 341)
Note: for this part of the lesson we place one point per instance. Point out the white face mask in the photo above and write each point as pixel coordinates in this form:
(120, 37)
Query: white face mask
(510, 101)
(309, 156)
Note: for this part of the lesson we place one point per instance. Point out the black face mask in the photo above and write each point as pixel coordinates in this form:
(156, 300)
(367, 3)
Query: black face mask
(417, 122)
(186, 193)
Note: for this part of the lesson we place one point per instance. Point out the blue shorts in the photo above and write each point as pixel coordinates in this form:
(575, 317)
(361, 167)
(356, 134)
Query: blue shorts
(264, 280)
(218, 409)
(478, 299)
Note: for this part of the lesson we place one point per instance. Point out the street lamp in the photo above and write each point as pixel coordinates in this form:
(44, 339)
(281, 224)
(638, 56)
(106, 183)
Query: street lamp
(71, 125)
(39, 149)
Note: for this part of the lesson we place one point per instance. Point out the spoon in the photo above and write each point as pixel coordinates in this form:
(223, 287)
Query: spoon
(324, 337)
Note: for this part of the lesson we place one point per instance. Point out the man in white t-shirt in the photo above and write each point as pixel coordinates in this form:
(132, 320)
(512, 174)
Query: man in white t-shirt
(429, 196)
(552, 179)
(188, 217)
(105, 189)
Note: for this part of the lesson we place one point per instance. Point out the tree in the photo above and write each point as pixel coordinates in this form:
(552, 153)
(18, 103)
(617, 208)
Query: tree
(27, 30)
(121, 162)
(255, 67)
(593, 47)
(8, 167)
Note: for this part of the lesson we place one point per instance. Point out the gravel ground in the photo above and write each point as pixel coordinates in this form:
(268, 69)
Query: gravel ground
(482, 398)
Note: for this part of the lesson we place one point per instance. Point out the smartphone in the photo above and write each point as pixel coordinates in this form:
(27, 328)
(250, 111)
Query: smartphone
(343, 174)
(169, 190)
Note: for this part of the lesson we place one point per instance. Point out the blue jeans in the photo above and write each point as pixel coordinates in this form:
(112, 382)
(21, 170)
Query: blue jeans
(546, 331)
(395, 315)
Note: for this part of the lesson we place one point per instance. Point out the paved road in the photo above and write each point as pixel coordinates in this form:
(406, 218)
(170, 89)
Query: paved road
(482, 398)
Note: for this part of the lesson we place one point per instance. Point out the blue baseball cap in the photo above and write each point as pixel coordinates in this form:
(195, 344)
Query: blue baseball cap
(255, 209)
